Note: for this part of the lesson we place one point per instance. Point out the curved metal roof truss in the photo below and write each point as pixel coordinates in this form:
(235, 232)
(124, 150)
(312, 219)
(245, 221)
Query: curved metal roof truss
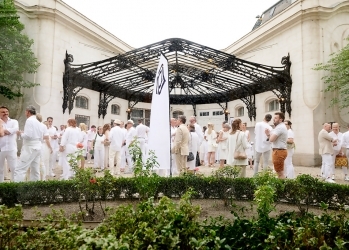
(197, 75)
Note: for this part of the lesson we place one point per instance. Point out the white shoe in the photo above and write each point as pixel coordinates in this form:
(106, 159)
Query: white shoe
(333, 177)
(346, 178)
(329, 180)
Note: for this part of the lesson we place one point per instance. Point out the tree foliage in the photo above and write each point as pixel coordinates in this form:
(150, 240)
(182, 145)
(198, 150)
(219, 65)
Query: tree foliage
(337, 79)
(16, 56)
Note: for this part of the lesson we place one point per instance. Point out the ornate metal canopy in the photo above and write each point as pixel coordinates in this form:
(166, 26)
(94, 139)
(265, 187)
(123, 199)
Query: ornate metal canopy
(197, 75)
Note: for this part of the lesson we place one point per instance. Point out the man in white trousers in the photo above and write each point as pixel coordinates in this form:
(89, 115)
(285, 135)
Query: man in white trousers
(198, 131)
(173, 123)
(8, 143)
(46, 149)
(142, 132)
(326, 151)
(53, 133)
(116, 138)
(130, 137)
(337, 148)
(30, 153)
(262, 145)
(123, 148)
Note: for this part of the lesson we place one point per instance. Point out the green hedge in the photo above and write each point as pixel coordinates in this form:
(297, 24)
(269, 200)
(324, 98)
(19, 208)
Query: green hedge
(305, 190)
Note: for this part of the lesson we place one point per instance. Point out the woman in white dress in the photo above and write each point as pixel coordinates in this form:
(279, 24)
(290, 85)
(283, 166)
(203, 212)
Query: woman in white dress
(222, 144)
(237, 141)
(84, 141)
(248, 150)
(194, 144)
(98, 149)
(289, 169)
(70, 139)
(106, 131)
(203, 149)
(211, 137)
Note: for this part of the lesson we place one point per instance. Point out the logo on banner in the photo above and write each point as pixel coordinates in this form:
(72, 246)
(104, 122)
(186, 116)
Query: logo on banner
(160, 80)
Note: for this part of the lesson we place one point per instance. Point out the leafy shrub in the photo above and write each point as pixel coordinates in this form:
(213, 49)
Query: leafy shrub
(170, 225)
(304, 191)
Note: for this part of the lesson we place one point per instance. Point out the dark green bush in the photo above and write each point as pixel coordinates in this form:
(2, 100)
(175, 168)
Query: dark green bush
(304, 191)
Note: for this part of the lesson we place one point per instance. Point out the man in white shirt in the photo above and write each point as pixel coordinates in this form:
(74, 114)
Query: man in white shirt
(30, 153)
(198, 129)
(116, 138)
(130, 137)
(123, 148)
(337, 150)
(142, 134)
(91, 136)
(46, 149)
(261, 145)
(326, 151)
(8, 143)
(173, 123)
(53, 133)
(345, 143)
(278, 138)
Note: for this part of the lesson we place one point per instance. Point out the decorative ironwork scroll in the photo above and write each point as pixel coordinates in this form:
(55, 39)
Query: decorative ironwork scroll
(194, 109)
(70, 87)
(104, 100)
(225, 110)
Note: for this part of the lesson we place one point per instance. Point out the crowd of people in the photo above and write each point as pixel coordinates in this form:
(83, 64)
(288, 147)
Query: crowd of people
(192, 146)
(232, 145)
(334, 151)
(44, 146)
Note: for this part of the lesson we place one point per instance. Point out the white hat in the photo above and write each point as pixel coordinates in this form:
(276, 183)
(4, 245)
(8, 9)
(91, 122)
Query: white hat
(130, 121)
(117, 121)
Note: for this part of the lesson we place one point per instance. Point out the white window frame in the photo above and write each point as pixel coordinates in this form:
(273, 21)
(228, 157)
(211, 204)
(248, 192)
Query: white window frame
(237, 112)
(276, 105)
(81, 97)
(117, 109)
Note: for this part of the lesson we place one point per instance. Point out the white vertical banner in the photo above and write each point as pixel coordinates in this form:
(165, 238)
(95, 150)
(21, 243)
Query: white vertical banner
(160, 132)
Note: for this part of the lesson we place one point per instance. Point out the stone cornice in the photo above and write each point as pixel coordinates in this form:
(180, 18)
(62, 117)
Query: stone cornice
(63, 13)
(286, 19)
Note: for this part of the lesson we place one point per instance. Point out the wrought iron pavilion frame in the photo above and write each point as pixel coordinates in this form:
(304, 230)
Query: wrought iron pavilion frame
(197, 75)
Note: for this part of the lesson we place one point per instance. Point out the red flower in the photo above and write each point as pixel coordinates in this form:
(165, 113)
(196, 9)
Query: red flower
(79, 145)
(93, 180)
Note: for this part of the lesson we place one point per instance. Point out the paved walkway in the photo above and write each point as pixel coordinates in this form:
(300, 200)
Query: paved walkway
(313, 171)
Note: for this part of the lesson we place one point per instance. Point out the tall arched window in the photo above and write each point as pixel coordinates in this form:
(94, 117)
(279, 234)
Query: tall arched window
(240, 111)
(115, 109)
(273, 105)
(177, 113)
(81, 102)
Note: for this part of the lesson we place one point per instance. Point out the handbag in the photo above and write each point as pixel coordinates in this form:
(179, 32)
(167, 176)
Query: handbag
(239, 155)
(190, 157)
(291, 145)
(341, 161)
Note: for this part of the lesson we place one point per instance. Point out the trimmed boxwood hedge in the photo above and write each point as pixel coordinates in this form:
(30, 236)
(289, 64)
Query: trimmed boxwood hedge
(303, 190)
